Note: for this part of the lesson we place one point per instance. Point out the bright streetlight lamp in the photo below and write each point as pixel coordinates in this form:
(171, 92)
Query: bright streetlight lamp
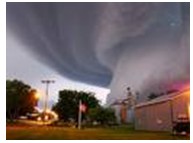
(37, 95)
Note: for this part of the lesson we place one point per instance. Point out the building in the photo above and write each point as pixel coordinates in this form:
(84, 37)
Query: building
(160, 113)
(124, 111)
(124, 108)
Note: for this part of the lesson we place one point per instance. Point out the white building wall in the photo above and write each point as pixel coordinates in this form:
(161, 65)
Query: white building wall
(181, 105)
(154, 117)
(159, 116)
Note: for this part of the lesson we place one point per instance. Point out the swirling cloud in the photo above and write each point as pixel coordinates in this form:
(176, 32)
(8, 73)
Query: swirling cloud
(115, 45)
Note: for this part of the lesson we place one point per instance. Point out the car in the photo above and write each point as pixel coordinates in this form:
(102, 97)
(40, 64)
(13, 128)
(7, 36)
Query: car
(181, 127)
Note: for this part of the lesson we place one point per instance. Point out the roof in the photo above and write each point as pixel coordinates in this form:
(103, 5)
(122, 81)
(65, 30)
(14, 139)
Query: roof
(122, 101)
(163, 98)
(117, 102)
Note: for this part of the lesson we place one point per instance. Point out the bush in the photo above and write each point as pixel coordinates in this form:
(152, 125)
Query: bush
(102, 116)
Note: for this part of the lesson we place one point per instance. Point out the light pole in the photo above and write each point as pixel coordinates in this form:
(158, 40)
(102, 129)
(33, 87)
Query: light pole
(47, 82)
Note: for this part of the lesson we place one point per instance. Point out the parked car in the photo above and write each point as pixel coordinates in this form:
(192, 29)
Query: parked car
(181, 127)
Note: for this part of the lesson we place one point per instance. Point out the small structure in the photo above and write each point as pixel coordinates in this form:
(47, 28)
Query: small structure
(121, 111)
(124, 108)
(160, 113)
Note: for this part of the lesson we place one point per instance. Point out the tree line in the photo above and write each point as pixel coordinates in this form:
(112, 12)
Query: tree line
(20, 101)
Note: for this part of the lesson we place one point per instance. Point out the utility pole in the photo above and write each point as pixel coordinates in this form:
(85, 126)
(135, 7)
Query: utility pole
(47, 82)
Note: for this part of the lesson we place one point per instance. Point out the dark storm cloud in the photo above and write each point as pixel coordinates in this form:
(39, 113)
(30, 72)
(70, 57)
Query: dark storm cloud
(60, 36)
(88, 41)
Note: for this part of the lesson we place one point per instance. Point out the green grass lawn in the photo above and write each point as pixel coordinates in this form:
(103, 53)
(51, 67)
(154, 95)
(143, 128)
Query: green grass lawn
(63, 133)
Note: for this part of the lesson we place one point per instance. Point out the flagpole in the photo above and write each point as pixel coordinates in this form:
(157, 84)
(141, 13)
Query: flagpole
(79, 115)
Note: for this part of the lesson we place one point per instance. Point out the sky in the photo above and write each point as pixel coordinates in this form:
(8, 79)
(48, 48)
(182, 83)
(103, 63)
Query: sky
(105, 47)
(23, 66)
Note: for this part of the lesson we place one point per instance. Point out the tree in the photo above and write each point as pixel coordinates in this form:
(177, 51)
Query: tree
(68, 103)
(104, 116)
(19, 99)
(153, 96)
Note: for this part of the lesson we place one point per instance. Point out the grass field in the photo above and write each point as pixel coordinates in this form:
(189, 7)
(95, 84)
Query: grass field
(64, 133)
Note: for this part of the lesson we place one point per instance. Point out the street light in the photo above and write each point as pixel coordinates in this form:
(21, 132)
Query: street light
(37, 95)
(47, 82)
(34, 95)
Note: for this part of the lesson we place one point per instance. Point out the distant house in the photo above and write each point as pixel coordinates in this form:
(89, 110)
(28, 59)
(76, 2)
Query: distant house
(160, 113)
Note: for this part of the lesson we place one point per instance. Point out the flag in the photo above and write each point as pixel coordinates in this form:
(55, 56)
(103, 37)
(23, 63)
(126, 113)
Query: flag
(82, 107)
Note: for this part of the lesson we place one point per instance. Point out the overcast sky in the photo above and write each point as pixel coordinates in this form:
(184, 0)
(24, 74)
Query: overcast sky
(107, 45)
(23, 66)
